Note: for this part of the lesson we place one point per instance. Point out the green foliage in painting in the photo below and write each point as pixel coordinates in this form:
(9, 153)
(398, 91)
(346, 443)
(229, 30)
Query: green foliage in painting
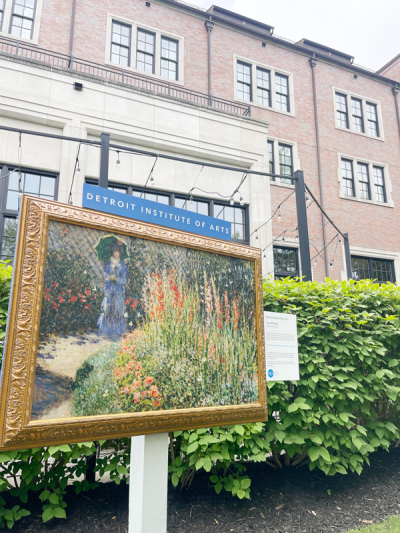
(71, 301)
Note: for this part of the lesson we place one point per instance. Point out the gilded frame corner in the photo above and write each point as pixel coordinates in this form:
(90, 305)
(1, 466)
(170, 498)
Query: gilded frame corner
(17, 431)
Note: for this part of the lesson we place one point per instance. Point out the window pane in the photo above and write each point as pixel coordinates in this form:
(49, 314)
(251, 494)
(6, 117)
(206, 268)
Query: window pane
(363, 181)
(285, 262)
(356, 109)
(9, 235)
(381, 271)
(47, 186)
(270, 145)
(244, 81)
(12, 201)
(194, 207)
(285, 162)
(282, 92)
(347, 177)
(32, 182)
(235, 215)
(263, 87)
(372, 120)
(341, 110)
(238, 232)
(379, 184)
(359, 268)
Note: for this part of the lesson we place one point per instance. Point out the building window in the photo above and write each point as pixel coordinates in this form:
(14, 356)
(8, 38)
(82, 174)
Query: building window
(244, 81)
(238, 216)
(271, 159)
(363, 181)
(379, 184)
(380, 270)
(22, 18)
(341, 110)
(282, 92)
(347, 177)
(372, 120)
(120, 44)
(263, 87)
(286, 262)
(1, 13)
(33, 183)
(169, 58)
(285, 162)
(356, 111)
(145, 51)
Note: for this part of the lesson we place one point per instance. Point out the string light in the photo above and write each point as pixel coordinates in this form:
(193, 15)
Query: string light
(78, 170)
(315, 263)
(279, 213)
(297, 238)
(232, 200)
(241, 201)
(191, 200)
(152, 181)
(331, 264)
(256, 235)
(118, 163)
(264, 255)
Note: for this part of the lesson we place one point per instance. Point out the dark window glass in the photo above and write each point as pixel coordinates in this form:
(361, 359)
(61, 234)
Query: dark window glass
(285, 162)
(244, 81)
(22, 18)
(1, 13)
(285, 262)
(379, 184)
(363, 181)
(341, 110)
(271, 161)
(347, 177)
(169, 58)
(32, 183)
(372, 119)
(370, 268)
(145, 51)
(192, 205)
(263, 87)
(282, 92)
(357, 114)
(235, 215)
(120, 44)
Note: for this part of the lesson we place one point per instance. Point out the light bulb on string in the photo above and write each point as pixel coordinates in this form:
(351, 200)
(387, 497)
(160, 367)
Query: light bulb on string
(315, 263)
(191, 200)
(118, 163)
(307, 199)
(331, 264)
(264, 255)
(241, 201)
(340, 241)
(78, 170)
(279, 214)
(231, 201)
(152, 181)
(297, 238)
(256, 236)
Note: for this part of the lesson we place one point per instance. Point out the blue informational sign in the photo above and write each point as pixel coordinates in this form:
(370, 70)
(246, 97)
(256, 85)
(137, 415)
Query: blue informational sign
(117, 203)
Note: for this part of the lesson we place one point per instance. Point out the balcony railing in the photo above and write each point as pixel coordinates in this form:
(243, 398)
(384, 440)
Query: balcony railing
(121, 76)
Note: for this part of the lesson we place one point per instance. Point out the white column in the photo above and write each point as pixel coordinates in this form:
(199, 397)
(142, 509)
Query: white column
(148, 484)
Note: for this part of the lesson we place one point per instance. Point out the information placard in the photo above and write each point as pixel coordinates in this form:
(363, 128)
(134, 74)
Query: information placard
(281, 351)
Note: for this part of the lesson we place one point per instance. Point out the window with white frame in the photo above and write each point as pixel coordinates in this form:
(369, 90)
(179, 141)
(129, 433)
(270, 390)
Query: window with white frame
(145, 53)
(364, 180)
(264, 86)
(283, 154)
(169, 58)
(244, 88)
(364, 114)
(1, 13)
(121, 44)
(22, 20)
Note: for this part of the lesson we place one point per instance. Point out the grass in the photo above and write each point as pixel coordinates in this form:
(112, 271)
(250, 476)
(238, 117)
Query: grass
(391, 525)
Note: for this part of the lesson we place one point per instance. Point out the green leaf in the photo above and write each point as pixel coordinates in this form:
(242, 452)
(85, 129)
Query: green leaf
(53, 498)
(48, 514)
(44, 495)
(239, 429)
(59, 513)
(313, 453)
(245, 483)
(323, 452)
(241, 494)
(200, 463)
(193, 447)
(175, 479)
(218, 487)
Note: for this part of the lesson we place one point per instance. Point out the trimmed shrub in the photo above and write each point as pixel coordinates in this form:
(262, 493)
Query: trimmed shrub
(342, 409)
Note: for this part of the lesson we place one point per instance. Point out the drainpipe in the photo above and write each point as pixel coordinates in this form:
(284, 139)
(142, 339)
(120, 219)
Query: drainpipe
(313, 63)
(395, 91)
(209, 26)
(71, 33)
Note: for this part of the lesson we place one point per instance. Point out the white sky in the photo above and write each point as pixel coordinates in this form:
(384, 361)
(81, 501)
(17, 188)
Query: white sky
(369, 30)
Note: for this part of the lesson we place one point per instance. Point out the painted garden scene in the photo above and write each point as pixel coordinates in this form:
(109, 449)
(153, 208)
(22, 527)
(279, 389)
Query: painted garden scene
(132, 325)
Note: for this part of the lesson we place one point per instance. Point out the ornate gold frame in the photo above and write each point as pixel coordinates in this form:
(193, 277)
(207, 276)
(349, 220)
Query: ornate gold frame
(16, 429)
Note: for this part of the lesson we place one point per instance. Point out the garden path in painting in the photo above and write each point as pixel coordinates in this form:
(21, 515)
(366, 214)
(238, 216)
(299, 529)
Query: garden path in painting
(131, 325)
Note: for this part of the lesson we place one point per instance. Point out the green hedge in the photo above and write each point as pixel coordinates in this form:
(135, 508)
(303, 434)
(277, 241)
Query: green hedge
(5, 286)
(342, 409)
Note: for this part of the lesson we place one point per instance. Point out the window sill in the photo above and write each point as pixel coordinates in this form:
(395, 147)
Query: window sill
(142, 73)
(267, 108)
(381, 139)
(370, 202)
(20, 39)
(286, 185)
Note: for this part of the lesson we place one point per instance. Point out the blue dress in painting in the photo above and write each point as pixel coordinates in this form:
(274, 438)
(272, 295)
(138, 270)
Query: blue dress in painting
(112, 320)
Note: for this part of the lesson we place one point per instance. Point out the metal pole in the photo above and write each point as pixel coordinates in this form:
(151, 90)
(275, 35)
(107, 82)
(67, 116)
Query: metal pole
(347, 255)
(104, 157)
(302, 226)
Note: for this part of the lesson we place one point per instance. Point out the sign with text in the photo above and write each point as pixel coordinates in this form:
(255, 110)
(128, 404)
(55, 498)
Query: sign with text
(117, 203)
(281, 349)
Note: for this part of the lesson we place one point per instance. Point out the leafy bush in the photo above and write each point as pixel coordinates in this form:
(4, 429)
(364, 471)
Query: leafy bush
(344, 405)
(5, 286)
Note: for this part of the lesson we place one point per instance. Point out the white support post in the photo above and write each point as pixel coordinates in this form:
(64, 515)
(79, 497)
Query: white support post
(148, 484)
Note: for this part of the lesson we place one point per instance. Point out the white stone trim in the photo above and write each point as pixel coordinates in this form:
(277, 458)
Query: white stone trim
(364, 100)
(273, 71)
(133, 48)
(5, 29)
(370, 163)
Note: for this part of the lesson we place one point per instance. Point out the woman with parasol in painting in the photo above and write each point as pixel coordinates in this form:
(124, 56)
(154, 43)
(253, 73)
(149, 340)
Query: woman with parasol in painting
(112, 252)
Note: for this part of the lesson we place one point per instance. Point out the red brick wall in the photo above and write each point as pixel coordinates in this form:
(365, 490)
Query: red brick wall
(392, 70)
(369, 226)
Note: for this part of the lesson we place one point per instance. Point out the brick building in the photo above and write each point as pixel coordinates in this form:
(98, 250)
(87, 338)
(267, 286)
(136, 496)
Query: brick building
(213, 86)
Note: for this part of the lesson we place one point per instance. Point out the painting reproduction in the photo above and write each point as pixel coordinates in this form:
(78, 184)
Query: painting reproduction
(131, 325)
